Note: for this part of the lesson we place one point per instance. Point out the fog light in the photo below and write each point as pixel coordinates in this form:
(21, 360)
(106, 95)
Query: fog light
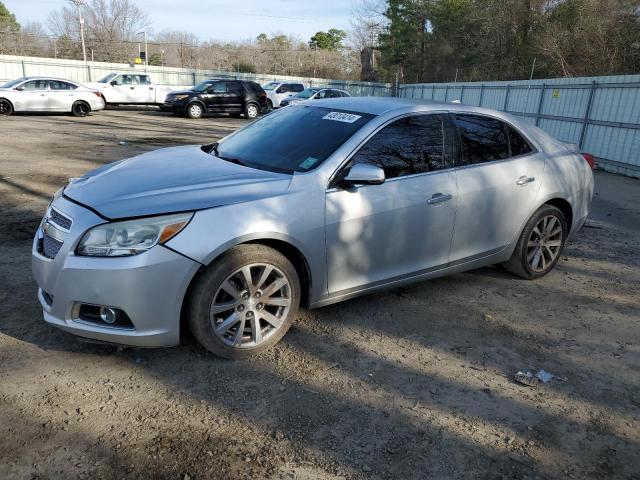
(108, 315)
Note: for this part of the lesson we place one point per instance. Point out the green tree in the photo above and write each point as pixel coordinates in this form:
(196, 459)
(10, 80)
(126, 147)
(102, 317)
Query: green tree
(155, 59)
(331, 40)
(8, 22)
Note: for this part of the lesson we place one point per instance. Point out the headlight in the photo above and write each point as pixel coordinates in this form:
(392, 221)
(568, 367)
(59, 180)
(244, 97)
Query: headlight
(131, 237)
(180, 97)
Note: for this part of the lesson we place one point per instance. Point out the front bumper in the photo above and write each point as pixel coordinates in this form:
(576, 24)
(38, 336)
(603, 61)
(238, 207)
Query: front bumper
(149, 287)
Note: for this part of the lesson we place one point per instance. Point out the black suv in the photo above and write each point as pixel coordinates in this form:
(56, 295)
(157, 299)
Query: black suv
(236, 97)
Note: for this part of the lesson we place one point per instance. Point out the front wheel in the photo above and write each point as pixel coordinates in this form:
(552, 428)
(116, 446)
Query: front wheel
(251, 111)
(6, 108)
(244, 302)
(195, 110)
(540, 244)
(80, 109)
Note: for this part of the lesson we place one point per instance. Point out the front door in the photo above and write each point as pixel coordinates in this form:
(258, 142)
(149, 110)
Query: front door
(33, 97)
(499, 176)
(380, 233)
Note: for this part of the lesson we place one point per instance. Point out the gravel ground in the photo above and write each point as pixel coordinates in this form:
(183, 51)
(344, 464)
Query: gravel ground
(416, 382)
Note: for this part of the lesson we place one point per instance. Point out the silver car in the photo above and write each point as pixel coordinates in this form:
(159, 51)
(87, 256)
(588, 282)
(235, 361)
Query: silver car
(45, 94)
(234, 236)
(314, 94)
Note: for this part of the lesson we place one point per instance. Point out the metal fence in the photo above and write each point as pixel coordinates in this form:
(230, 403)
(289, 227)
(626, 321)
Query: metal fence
(600, 114)
(17, 66)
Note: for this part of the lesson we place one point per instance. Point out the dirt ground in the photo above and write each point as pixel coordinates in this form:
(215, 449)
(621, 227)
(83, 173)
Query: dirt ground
(414, 383)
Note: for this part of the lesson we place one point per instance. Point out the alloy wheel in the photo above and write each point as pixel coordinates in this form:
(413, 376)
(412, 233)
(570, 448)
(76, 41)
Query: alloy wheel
(545, 243)
(5, 107)
(195, 111)
(250, 305)
(252, 111)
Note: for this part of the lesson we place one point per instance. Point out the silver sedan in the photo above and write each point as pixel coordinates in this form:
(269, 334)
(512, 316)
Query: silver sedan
(45, 94)
(311, 205)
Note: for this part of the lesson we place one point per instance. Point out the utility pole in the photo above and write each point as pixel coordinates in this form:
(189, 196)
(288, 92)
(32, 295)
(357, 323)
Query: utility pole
(315, 52)
(78, 4)
(146, 48)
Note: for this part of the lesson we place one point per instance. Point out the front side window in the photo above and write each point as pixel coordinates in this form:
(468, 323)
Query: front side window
(482, 139)
(281, 142)
(220, 87)
(35, 85)
(407, 146)
(308, 93)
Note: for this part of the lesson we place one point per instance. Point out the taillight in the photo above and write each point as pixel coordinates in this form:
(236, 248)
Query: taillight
(591, 160)
(97, 94)
(263, 94)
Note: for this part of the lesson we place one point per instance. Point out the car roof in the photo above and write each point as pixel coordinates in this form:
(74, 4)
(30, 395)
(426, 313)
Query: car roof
(48, 78)
(381, 105)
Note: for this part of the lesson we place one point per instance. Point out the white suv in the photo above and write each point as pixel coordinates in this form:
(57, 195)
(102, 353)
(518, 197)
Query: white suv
(278, 91)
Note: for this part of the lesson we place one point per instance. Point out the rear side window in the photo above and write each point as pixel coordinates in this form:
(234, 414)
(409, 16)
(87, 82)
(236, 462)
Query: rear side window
(296, 87)
(235, 87)
(407, 146)
(482, 139)
(58, 85)
(519, 146)
(219, 87)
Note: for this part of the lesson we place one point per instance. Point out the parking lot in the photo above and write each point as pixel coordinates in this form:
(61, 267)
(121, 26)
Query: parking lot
(416, 382)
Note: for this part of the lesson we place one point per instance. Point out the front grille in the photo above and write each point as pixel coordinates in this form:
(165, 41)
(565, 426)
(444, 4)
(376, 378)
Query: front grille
(49, 246)
(60, 220)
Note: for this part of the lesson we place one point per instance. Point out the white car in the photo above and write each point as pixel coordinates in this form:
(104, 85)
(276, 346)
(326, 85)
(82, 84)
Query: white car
(314, 94)
(278, 91)
(131, 88)
(45, 94)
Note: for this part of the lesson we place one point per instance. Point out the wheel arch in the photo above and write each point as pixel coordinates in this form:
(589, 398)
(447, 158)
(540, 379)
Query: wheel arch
(282, 245)
(82, 101)
(565, 207)
(10, 102)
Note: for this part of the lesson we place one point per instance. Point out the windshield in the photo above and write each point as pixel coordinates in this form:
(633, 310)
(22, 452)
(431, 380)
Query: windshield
(270, 85)
(306, 93)
(107, 78)
(279, 143)
(12, 83)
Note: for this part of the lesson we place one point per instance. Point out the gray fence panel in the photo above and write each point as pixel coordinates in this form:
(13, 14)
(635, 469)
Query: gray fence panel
(601, 114)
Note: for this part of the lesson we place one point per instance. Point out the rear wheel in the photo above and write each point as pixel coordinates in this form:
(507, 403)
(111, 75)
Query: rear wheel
(80, 109)
(251, 111)
(6, 108)
(244, 302)
(540, 244)
(195, 110)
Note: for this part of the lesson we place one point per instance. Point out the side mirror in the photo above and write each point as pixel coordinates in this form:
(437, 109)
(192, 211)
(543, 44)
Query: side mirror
(364, 174)
(20, 88)
(113, 83)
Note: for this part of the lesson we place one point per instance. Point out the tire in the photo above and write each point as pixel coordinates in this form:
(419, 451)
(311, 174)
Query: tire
(195, 110)
(221, 302)
(6, 108)
(540, 244)
(269, 105)
(251, 111)
(80, 109)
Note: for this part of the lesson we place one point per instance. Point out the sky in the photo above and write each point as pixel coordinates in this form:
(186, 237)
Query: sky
(219, 19)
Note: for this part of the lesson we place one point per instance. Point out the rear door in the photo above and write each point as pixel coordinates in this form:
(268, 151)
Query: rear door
(61, 96)
(380, 233)
(145, 91)
(234, 98)
(33, 97)
(499, 174)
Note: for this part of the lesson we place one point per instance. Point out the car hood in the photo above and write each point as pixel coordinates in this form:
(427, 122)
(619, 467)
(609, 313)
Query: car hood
(170, 180)
(181, 92)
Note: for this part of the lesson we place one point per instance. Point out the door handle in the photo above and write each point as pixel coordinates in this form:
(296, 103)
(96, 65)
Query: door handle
(131, 88)
(439, 198)
(524, 180)
(150, 88)
(43, 94)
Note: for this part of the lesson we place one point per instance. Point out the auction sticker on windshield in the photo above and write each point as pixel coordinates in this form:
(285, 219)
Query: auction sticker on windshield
(342, 117)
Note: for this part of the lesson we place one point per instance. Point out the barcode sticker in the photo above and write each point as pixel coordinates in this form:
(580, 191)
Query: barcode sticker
(342, 117)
